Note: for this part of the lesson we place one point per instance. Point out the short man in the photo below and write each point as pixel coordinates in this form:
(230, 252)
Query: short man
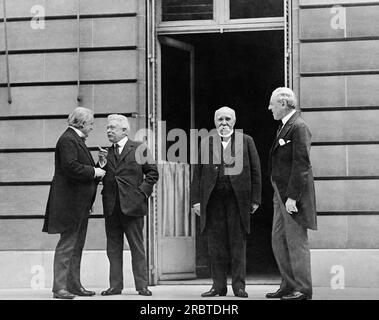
(127, 185)
(71, 196)
(225, 191)
(294, 198)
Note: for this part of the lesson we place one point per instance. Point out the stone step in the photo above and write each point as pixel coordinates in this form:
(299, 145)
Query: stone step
(331, 268)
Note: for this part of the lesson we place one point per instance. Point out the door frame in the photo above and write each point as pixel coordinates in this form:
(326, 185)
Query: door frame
(154, 66)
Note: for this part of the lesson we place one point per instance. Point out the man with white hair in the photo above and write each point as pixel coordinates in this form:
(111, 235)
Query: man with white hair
(130, 176)
(225, 191)
(71, 196)
(294, 197)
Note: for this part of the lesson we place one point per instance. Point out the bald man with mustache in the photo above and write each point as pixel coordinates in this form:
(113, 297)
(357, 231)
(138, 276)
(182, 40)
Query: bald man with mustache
(225, 191)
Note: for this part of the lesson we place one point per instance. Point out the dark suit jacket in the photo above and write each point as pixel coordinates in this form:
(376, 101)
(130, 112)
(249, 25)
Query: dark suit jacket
(133, 181)
(246, 184)
(73, 188)
(291, 170)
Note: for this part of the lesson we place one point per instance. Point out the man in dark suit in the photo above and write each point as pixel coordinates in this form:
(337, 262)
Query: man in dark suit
(294, 197)
(71, 196)
(226, 189)
(131, 175)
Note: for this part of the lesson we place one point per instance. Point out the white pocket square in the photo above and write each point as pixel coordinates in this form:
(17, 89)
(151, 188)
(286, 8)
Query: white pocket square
(282, 142)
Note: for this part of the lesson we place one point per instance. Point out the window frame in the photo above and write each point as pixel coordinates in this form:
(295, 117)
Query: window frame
(221, 21)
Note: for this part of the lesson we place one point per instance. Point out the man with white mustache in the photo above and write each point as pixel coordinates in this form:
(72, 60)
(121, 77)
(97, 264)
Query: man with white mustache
(225, 191)
(127, 185)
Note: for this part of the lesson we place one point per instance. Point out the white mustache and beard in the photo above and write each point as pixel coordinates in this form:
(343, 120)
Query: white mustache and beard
(225, 131)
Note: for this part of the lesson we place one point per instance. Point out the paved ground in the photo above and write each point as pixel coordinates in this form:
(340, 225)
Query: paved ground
(192, 292)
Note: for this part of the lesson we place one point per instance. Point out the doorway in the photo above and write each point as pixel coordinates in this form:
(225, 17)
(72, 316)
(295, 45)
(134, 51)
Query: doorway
(239, 70)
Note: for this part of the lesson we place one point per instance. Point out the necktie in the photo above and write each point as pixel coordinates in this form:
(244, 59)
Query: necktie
(116, 151)
(279, 128)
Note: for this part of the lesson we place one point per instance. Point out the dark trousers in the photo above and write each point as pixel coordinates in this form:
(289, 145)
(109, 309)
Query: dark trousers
(68, 256)
(291, 251)
(226, 240)
(115, 226)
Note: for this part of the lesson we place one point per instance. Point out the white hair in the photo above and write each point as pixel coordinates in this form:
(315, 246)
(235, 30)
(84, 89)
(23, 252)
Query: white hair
(225, 110)
(79, 117)
(286, 94)
(121, 120)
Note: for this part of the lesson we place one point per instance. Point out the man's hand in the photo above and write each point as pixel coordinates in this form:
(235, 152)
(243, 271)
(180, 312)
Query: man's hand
(196, 208)
(254, 207)
(291, 206)
(103, 154)
(99, 173)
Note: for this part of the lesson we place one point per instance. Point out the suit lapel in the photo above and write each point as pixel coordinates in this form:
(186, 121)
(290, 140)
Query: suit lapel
(129, 146)
(216, 149)
(284, 130)
(227, 152)
(236, 145)
(83, 146)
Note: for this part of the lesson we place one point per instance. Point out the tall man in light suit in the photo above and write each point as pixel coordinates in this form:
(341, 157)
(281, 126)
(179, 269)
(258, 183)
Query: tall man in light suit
(71, 196)
(226, 189)
(130, 176)
(294, 197)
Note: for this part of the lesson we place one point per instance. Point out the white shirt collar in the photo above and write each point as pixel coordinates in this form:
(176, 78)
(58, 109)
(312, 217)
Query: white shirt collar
(288, 116)
(122, 143)
(80, 134)
(225, 143)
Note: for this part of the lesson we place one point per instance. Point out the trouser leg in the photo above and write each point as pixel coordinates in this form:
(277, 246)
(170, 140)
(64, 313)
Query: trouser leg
(62, 256)
(237, 241)
(115, 244)
(218, 242)
(73, 276)
(280, 248)
(133, 228)
(298, 247)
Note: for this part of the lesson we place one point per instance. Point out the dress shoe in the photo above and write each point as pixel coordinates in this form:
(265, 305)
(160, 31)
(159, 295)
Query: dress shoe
(278, 294)
(214, 292)
(296, 295)
(145, 292)
(241, 293)
(110, 292)
(63, 294)
(82, 292)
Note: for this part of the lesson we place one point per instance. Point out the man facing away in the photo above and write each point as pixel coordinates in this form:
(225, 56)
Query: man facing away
(71, 196)
(226, 189)
(130, 176)
(294, 197)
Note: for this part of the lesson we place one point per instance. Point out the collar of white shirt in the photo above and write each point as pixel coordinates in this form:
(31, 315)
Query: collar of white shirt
(287, 117)
(225, 143)
(80, 134)
(122, 143)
